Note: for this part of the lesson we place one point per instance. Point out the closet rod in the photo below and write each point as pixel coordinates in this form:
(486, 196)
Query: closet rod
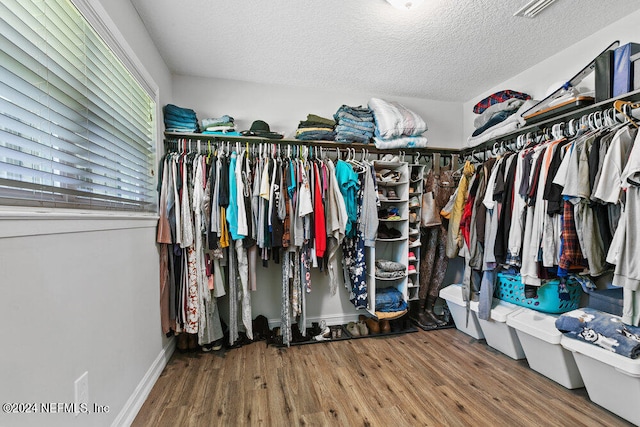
(174, 137)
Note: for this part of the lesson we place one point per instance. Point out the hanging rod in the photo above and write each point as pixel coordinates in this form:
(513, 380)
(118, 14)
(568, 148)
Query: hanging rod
(175, 137)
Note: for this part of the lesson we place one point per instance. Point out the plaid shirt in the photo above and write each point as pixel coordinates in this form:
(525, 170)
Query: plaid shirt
(498, 97)
(571, 256)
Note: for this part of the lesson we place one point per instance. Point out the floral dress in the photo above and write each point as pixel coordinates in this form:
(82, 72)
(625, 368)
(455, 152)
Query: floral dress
(354, 260)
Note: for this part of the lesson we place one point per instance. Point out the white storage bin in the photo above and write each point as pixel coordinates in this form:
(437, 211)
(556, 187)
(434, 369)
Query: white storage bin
(498, 334)
(452, 294)
(612, 381)
(540, 341)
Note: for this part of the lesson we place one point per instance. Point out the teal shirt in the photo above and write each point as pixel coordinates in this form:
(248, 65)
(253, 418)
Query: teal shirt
(349, 186)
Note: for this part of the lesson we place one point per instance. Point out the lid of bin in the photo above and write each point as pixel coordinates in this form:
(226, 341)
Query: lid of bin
(453, 293)
(622, 364)
(502, 309)
(535, 323)
(499, 309)
(473, 306)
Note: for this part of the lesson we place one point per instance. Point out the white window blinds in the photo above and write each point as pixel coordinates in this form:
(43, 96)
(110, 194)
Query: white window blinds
(76, 129)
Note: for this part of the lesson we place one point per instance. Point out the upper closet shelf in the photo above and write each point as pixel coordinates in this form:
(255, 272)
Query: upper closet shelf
(546, 124)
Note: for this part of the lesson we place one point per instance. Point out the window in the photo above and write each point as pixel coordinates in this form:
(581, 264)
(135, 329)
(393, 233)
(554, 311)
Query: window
(76, 128)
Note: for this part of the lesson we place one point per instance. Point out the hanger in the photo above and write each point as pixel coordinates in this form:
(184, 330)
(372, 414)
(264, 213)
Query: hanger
(352, 158)
(557, 131)
(436, 163)
(455, 160)
(621, 106)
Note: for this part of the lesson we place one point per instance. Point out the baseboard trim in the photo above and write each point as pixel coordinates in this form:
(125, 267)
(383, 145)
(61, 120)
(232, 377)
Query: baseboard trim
(140, 394)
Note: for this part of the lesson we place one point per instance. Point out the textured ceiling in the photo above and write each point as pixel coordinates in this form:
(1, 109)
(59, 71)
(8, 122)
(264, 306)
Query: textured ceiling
(449, 50)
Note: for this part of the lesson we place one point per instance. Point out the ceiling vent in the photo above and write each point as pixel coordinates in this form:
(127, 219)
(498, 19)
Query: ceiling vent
(531, 9)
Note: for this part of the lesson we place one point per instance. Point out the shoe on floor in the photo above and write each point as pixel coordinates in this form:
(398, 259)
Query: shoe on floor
(183, 342)
(385, 327)
(325, 334)
(213, 346)
(353, 330)
(373, 325)
(362, 328)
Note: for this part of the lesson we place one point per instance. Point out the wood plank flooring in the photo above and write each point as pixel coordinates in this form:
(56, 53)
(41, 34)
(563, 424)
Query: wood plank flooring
(437, 378)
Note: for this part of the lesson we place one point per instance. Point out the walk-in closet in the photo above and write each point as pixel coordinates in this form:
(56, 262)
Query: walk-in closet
(374, 212)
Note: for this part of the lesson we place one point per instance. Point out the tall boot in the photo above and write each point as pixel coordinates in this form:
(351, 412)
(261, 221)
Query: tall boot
(428, 318)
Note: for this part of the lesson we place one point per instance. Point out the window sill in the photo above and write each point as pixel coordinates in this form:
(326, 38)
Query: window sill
(21, 222)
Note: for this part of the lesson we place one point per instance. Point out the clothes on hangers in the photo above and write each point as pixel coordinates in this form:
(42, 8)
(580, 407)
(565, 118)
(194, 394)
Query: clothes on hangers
(224, 211)
(551, 211)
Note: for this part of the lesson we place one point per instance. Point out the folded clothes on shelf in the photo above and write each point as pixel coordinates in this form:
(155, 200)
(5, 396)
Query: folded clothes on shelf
(386, 265)
(354, 124)
(178, 119)
(390, 299)
(385, 232)
(316, 128)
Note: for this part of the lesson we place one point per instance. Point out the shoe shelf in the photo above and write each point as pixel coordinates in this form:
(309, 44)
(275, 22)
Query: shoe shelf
(349, 331)
(391, 279)
(315, 336)
(416, 188)
(391, 183)
(398, 239)
(393, 178)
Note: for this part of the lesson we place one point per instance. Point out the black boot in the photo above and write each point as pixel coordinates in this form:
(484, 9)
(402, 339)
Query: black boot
(428, 317)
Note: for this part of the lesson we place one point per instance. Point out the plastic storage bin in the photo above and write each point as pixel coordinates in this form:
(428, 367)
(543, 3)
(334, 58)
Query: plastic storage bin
(452, 294)
(498, 334)
(540, 341)
(612, 381)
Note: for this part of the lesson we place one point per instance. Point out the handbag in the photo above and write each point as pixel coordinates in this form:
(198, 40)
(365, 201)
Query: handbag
(430, 213)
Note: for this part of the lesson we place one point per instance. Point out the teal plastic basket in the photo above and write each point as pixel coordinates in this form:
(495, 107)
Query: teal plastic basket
(511, 289)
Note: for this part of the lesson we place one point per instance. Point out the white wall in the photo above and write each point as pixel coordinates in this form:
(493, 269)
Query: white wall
(80, 293)
(283, 107)
(560, 67)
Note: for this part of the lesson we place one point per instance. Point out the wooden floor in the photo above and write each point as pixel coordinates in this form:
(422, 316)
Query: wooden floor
(437, 378)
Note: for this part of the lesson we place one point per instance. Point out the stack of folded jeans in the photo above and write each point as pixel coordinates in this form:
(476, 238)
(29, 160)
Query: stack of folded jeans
(386, 269)
(219, 126)
(316, 128)
(390, 300)
(355, 124)
(178, 119)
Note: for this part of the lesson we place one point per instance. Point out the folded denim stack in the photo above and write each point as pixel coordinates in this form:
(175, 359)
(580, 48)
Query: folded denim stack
(355, 124)
(178, 119)
(316, 128)
(386, 269)
(390, 300)
(219, 126)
